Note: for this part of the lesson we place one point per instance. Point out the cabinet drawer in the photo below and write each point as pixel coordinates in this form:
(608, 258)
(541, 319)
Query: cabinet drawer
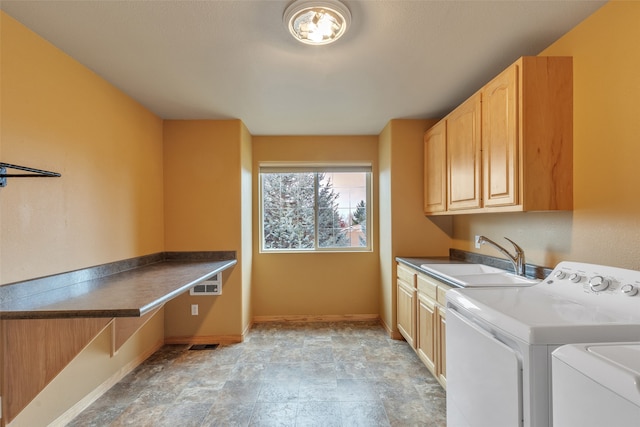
(427, 286)
(428, 302)
(442, 290)
(407, 275)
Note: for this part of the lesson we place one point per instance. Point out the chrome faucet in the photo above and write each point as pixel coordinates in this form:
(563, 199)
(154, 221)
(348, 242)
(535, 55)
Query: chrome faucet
(517, 260)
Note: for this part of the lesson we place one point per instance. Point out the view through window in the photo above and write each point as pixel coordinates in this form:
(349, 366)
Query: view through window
(306, 209)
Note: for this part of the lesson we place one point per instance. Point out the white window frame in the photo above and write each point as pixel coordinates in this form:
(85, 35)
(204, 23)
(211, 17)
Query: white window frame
(300, 167)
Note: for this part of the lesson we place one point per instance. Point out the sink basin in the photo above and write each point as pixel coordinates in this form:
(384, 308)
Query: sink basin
(495, 279)
(461, 269)
(478, 275)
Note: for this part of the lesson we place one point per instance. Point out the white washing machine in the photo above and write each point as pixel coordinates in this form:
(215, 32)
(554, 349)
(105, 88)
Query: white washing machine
(500, 340)
(596, 385)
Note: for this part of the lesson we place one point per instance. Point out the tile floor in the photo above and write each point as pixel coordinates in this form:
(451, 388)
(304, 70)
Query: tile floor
(283, 374)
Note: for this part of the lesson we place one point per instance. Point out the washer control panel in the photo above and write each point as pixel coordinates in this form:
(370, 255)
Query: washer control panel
(596, 279)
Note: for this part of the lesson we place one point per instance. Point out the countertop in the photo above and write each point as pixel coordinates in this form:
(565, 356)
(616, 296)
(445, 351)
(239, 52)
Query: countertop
(457, 256)
(130, 293)
(415, 263)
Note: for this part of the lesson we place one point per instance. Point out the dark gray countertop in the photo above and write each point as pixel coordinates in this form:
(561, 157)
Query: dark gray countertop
(130, 293)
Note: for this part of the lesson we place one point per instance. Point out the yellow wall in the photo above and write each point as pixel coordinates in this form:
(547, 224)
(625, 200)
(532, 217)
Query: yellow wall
(604, 227)
(107, 206)
(246, 201)
(57, 115)
(386, 293)
(203, 171)
(405, 231)
(315, 283)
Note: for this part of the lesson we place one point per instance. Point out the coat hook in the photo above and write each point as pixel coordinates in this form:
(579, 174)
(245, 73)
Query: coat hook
(33, 173)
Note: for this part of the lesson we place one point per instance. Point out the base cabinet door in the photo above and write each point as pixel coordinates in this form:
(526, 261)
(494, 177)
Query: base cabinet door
(441, 325)
(426, 325)
(406, 312)
(421, 302)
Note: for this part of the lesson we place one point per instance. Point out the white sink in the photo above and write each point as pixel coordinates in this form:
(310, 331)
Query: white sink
(461, 269)
(478, 275)
(495, 279)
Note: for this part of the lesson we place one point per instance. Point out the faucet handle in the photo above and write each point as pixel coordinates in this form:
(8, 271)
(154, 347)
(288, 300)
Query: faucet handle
(520, 263)
(518, 249)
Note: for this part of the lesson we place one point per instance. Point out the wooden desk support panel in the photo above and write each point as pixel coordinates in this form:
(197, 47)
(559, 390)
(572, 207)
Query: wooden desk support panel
(36, 351)
(125, 327)
(43, 331)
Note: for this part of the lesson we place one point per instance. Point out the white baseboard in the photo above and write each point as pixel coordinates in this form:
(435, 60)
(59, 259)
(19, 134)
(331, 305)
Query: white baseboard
(85, 402)
(205, 339)
(318, 318)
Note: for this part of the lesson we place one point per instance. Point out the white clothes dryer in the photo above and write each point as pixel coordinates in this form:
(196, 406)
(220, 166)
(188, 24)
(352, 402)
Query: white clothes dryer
(596, 385)
(500, 340)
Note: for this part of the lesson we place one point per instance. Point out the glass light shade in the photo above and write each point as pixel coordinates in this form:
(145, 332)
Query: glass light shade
(317, 22)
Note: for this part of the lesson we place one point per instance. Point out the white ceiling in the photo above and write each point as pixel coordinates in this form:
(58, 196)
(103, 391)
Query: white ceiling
(221, 59)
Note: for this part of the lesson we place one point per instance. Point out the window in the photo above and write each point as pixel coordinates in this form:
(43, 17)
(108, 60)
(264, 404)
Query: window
(315, 208)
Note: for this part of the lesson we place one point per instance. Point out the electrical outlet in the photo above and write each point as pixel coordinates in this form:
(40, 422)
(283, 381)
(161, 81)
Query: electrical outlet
(194, 309)
(477, 241)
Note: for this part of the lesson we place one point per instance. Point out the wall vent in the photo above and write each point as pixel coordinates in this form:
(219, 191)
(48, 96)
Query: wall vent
(211, 286)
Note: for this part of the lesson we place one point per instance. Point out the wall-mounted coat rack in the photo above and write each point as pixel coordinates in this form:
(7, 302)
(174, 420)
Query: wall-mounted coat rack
(33, 173)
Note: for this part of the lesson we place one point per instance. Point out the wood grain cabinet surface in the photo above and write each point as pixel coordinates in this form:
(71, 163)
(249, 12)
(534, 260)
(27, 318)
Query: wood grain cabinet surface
(421, 318)
(435, 168)
(406, 304)
(463, 156)
(509, 147)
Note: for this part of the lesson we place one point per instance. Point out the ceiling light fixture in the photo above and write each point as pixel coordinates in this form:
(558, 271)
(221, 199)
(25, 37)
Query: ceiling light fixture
(317, 22)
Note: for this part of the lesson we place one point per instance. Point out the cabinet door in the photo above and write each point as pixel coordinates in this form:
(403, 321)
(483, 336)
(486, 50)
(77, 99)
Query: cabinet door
(463, 155)
(426, 325)
(500, 139)
(435, 169)
(406, 312)
(441, 368)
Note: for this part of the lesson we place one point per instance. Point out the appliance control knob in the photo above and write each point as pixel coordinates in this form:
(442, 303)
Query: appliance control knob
(598, 283)
(629, 290)
(560, 275)
(575, 278)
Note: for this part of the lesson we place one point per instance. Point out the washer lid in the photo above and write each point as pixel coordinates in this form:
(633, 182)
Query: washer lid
(538, 315)
(614, 366)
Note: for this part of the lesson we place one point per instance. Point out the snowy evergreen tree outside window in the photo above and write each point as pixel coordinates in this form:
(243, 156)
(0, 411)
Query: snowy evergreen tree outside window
(314, 210)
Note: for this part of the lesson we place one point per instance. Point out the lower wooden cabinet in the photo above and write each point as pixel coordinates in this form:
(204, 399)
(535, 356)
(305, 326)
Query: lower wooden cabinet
(407, 312)
(421, 313)
(426, 321)
(441, 358)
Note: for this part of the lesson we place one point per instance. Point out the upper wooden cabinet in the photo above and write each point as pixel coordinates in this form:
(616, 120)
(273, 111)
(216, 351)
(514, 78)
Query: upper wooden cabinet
(435, 168)
(509, 147)
(463, 156)
(500, 139)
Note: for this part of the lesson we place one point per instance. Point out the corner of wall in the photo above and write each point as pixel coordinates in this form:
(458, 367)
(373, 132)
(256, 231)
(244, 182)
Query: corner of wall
(404, 229)
(246, 211)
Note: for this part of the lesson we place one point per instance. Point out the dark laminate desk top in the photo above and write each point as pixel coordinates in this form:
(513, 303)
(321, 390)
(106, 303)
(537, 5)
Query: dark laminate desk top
(130, 293)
